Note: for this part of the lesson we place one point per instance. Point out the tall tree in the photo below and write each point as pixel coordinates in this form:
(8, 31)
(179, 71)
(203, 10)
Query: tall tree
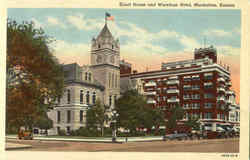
(176, 113)
(193, 123)
(97, 116)
(134, 112)
(34, 76)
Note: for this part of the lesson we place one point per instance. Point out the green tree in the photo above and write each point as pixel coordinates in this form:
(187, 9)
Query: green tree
(174, 114)
(134, 112)
(34, 76)
(97, 116)
(193, 123)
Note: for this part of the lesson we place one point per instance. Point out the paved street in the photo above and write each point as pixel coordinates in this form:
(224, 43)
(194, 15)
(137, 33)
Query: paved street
(219, 145)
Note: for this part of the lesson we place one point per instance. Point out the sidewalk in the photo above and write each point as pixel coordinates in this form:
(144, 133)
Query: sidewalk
(108, 140)
(102, 140)
(14, 146)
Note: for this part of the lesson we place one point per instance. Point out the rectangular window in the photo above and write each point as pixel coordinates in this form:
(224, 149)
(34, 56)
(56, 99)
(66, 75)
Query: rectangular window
(218, 116)
(68, 116)
(81, 116)
(195, 77)
(68, 129)
(187, 87)
(208, 77)
(110, 100)
(186, 96)
(195, 96)
(58, 116)
(223, 116)
(208, 95)
(208, 105)
(208, 115)
(195, 87)
(68, 96)
(81, 96)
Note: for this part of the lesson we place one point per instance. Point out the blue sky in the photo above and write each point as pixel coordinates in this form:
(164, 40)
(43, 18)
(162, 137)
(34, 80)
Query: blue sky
(147, 37)
(142, 33)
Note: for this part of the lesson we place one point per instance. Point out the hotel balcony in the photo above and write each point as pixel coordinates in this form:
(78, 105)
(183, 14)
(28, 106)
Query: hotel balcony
(221, 79)
(229, 84)
(229, 92)
(173, 82)
(229, 101)
(150, 93)
(219, 106)
(220, 98)
(173, 91)
(151, 102)
(220, 89)
(231, 107)
(177, 100)
(150, 84)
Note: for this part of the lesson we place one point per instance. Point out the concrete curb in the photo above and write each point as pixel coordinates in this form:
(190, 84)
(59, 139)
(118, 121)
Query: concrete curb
(119, 141)
(15, 146)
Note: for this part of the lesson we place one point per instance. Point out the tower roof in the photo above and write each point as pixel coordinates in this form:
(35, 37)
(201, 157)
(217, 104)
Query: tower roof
(105, 33)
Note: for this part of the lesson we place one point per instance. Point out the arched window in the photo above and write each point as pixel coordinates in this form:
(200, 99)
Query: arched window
(86, 76)
(110, 100)
(87, 98)
(89, 76)
(99, 46)
(68, 96)
(81, 96)
(109, 80)
(94, 98)
(115, 81)
(112, 80)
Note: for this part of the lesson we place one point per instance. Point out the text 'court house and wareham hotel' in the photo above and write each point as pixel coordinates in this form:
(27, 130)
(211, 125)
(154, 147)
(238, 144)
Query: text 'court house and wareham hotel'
(201, 86)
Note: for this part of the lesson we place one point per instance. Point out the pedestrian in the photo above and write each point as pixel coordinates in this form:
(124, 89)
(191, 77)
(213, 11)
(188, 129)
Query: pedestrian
(126, 139)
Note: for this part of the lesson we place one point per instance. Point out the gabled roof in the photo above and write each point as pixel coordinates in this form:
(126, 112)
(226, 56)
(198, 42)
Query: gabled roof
(105, 33)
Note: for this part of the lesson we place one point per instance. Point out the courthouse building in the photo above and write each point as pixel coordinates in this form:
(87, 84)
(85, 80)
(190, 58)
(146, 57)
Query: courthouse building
(85, 84)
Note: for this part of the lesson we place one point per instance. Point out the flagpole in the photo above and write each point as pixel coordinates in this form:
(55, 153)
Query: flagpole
(105, 19)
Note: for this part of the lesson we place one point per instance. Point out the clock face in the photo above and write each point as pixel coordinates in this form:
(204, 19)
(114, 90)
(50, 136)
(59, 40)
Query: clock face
(112, 59)
(99, 59)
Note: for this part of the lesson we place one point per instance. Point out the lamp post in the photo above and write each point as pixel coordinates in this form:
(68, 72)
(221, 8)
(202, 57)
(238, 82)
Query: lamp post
(115, 115)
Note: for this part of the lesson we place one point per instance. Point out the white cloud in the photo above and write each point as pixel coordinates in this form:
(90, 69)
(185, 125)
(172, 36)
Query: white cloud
(189, 43)
(82, 23)
(217, 32)
(71, 52)
(55, 22)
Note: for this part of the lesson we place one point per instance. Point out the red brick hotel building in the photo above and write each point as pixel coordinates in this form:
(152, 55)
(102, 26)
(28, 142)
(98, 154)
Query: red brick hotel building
(201, 86)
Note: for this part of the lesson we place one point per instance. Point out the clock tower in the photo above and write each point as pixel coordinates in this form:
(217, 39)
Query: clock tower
(105, 62)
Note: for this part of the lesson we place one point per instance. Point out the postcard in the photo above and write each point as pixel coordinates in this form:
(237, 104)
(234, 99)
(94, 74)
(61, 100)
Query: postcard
(126, 79)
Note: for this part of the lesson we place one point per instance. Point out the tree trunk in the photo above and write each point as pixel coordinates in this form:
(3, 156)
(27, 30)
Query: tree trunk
(102, 130)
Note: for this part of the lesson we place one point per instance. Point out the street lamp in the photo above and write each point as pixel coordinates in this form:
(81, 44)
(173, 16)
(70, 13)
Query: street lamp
(115, 115)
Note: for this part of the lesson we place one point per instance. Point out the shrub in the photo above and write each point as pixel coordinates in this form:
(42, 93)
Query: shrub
(62, 132)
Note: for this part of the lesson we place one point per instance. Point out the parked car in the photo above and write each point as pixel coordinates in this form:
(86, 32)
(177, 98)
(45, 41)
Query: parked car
(26, 135)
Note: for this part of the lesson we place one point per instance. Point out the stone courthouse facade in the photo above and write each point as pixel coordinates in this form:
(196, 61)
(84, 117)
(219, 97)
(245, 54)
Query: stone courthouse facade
(85, 84)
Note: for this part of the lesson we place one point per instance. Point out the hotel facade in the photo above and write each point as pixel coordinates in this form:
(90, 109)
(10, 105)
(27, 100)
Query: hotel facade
(201, 86)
